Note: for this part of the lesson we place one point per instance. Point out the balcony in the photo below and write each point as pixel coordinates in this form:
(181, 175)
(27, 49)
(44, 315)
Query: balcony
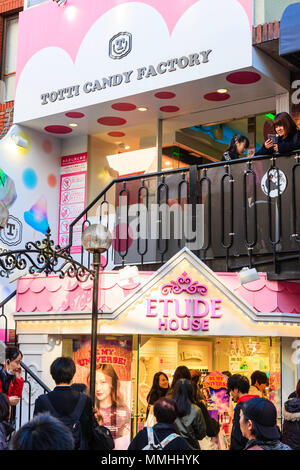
(231, 215)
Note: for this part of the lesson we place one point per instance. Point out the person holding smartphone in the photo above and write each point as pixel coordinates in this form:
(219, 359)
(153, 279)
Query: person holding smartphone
(11, 381)
(285, 139)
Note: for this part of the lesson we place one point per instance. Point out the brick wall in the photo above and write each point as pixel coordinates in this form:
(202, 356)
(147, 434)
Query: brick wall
(7, 8)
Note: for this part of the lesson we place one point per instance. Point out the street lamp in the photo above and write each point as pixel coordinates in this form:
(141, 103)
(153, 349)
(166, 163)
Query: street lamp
(44, 257)
(96, 239)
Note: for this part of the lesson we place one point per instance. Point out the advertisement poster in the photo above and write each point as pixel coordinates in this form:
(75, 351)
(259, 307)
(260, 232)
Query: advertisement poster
(72, 198)
(215, 391)
(113, 383)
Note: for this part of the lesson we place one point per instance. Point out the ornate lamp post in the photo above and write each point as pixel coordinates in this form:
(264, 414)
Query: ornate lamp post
(96, 239)
(46, 257)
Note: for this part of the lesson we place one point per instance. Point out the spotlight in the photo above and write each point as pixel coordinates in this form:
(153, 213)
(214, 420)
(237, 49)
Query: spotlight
(60, 3)
(222, 90)
(142, 108)
(73, 124)
(248, 275)
(18, 140)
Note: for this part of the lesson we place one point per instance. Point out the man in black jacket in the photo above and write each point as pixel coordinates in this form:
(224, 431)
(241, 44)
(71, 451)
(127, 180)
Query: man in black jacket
(238, 387)
(165, 412)
(64, 400)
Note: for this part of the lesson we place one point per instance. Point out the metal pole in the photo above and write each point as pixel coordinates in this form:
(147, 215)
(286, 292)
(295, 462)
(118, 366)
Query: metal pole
(159, 141)
(93, 363)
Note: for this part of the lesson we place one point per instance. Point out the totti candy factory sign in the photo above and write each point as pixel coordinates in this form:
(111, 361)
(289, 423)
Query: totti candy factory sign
(191, 312)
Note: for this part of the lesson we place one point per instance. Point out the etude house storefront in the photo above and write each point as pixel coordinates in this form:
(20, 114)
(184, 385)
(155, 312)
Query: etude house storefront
(182, 314)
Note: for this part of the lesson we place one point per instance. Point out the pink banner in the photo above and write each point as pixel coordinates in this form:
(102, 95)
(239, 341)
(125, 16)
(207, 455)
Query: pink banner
(72, 198)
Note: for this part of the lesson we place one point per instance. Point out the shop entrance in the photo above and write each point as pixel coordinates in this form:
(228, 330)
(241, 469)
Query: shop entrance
(206, 357)
(126, 366)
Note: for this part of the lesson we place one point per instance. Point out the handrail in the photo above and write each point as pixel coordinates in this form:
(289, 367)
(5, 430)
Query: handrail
(35, 377)
(236, 217)
(7, 299)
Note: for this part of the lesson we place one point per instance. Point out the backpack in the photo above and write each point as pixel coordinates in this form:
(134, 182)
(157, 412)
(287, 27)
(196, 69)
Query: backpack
(102, 438)
(151, 444)
(72, 421)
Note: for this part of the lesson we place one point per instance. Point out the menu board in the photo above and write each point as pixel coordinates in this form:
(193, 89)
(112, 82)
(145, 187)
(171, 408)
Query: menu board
(72, 198)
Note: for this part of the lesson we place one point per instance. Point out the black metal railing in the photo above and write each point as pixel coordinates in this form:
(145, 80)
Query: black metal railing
(250, 215)
(33, 385)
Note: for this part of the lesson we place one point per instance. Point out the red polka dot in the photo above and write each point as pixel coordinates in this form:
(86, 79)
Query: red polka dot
(165, 95)
(243, 78)
(47, 146)
(120, 240)
(124, 106)
(111, 121)
(52, 181)
(169, 109)
(58, 129)
(75, 115)
(214, 96)
(116, 134)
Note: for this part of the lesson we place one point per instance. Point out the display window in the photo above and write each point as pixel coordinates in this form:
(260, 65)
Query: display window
(127, 366)
(113, 390)
(213, 359)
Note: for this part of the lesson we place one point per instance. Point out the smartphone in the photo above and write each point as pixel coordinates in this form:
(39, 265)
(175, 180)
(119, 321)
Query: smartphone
(273, 137)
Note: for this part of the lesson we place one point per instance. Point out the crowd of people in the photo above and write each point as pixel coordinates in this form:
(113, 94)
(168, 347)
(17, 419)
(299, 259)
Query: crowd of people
(177, 414)
(286, 139)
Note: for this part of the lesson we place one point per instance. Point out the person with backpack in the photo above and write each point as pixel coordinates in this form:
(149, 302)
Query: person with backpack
(102, 437)
(72, 408)
(190, 423)
(163, 435)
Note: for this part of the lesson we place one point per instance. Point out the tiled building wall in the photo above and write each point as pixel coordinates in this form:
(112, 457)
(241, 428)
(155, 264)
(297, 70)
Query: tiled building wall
(7, 8)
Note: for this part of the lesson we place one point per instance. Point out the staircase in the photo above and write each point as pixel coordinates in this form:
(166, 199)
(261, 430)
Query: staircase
(33, 385)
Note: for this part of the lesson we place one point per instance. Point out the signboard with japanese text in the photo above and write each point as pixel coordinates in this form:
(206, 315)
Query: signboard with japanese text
(72, 198)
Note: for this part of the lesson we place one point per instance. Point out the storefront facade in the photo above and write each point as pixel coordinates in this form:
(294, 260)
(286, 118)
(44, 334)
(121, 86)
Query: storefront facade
(81, 85)
(182, 314)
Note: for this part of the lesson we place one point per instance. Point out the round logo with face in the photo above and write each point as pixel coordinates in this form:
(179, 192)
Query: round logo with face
(274, 182)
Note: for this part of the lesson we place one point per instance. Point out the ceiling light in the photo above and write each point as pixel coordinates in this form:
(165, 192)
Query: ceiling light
(222, 90)
(73, 124)
(60, 3)
(167, 163)
(142, 108)
(18, 140)
(127, 147)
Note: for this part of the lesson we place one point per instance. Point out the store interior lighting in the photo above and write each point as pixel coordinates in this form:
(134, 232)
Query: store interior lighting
(248, 275)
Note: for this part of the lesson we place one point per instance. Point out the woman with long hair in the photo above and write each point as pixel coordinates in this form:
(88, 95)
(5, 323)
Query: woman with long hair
(159, 389)
(190, 422)
(182, 372)
(112, 411)
(287, 136)
(237, 146)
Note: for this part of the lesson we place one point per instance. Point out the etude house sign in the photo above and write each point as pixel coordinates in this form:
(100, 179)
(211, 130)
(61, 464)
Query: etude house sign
(187, 314)
(142, 73)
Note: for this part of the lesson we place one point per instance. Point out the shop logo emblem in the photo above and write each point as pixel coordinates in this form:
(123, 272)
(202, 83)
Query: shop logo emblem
(11, 235)
(274, 181)
(120, 45)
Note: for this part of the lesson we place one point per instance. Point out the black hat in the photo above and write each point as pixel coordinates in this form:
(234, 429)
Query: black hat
(264, 415)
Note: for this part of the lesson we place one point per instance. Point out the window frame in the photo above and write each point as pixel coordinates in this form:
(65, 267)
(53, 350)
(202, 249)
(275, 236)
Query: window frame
(6, 20)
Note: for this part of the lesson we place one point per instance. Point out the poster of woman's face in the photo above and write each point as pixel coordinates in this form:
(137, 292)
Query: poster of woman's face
(112, 386)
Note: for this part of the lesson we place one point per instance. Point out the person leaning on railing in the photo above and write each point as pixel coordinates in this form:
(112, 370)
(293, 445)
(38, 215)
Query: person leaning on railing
(237, 146)
(287, 137)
